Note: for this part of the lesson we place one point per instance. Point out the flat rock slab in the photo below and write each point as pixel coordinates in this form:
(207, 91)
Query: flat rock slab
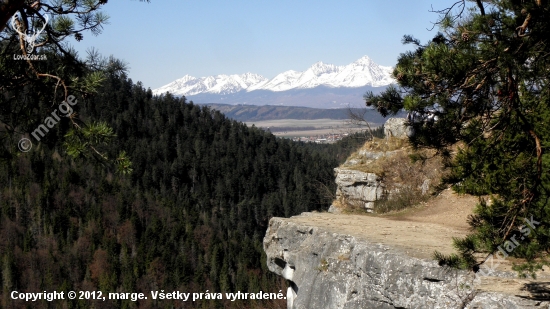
(417, 239)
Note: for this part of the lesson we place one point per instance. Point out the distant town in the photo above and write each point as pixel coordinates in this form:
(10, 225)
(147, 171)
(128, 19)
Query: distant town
(308, 137)
(321, 138)
(327, 135)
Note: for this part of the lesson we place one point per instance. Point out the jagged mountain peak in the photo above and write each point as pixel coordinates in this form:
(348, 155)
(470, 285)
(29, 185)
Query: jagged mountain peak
(320, 68)
(365, 60)
(363, 72)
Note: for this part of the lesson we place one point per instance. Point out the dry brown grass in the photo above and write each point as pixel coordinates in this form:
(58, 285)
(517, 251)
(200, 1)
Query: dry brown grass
(406, 179)
(403, 171)
(377, 145)
(350, 206)
(385, 144)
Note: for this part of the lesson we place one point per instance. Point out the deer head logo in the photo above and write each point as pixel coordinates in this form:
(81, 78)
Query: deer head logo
(29, 35)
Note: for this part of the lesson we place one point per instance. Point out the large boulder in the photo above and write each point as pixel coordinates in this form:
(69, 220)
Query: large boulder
(356, 187)
(397, 127)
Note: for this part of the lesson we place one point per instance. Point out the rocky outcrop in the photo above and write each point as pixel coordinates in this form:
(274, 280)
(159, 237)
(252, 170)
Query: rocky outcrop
(383, 169)
(356, 187)
(333, 270)
(397, 127)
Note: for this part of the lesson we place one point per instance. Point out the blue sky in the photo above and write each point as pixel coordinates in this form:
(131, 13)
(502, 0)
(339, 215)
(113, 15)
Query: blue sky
(166, 39)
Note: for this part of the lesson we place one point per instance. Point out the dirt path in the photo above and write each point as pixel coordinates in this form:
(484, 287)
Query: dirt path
(447, 209)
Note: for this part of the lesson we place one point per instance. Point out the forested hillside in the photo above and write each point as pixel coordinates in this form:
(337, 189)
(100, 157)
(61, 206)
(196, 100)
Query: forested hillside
(191, 216)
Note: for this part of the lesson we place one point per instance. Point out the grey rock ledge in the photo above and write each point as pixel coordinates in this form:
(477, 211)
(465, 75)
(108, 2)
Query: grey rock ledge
(336, 271)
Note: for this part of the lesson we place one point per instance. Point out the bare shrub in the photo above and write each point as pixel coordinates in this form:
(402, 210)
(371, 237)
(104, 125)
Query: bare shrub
(350, 206)
(410, 178)
(404, 198)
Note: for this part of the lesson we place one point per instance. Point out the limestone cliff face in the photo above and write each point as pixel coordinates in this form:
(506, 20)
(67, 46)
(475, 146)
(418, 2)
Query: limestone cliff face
(357, 183)
(338, 271)
(358, 187)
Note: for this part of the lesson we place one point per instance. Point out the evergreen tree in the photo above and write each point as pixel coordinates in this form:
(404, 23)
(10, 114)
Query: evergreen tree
(480, 87)
(31, 90)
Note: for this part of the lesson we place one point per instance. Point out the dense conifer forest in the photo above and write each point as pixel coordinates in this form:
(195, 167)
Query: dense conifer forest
(190, 217)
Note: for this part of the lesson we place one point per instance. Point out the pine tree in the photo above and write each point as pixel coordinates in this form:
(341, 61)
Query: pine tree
(31, 90)
(480, 88)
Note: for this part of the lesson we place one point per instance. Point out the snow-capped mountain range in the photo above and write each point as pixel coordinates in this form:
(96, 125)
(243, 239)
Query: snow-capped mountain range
(361, 73)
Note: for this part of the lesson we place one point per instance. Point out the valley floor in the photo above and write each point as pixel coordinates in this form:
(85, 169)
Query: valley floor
(314, 128)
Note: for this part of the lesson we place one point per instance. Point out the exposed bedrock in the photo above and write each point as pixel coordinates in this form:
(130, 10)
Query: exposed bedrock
(338, 271)
(397, 127)
(353, 185)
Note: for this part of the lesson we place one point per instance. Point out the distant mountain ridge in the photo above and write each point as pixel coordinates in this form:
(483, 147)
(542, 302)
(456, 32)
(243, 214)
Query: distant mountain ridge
(218, 84)
(327, 80)
(249, 113)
